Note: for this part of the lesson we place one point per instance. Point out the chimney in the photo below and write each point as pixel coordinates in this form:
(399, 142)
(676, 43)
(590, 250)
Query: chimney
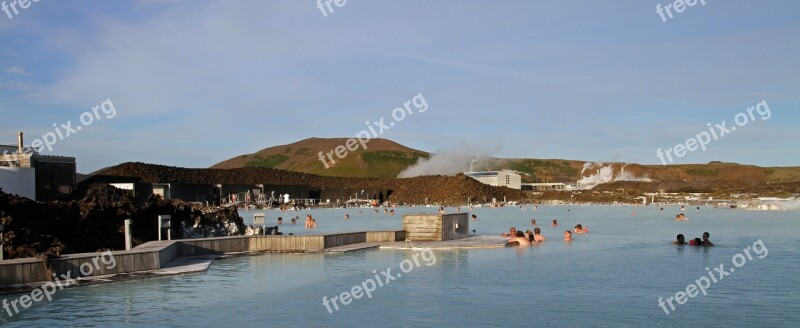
(20, 143)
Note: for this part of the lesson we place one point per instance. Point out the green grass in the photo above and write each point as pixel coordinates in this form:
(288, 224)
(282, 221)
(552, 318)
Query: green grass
(270, 162)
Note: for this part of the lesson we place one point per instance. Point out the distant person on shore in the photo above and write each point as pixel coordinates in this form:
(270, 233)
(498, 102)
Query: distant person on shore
(554, 224)
(533, 222)
(511, 233)
(680, 240)
(474, 217)
(519, 239)
(537, 235)
(568, 235)
(707, 242)
(280, 220)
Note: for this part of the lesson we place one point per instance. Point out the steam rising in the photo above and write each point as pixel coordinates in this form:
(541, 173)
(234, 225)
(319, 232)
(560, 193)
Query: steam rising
(605, 174)
(451, 161)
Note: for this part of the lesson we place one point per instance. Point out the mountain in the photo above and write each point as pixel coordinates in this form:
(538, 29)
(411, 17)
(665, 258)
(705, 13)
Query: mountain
(382, 158)
(385, 159)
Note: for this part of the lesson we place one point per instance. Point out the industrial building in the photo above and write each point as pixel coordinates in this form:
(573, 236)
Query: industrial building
(504, 178)
(25, 172)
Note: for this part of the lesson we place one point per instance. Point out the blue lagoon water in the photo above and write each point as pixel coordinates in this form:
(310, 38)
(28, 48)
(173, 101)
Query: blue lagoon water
(610, 277)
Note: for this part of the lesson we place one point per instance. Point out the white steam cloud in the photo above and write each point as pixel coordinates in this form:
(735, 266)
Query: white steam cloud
(605, 174)
(451, 161)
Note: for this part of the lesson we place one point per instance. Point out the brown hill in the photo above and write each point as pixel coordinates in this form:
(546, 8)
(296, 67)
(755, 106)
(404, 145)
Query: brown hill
(382, 158)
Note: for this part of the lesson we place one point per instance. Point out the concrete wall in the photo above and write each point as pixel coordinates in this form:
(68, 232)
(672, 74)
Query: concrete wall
(156, 254)
(19, 180)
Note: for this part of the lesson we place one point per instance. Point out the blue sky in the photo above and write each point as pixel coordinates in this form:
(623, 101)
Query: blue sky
(196, 82)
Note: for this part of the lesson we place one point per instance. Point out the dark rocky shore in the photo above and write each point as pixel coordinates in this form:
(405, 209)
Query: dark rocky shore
(95, 222)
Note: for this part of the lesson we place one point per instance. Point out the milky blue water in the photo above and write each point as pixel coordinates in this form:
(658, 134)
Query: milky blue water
(613, 276)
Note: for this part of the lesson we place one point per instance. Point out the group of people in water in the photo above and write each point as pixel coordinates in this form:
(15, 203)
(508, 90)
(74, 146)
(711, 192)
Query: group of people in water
(528, 238)
(681, 240)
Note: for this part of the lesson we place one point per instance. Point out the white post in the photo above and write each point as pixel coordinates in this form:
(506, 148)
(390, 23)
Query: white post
(128, 244)
(164, 223)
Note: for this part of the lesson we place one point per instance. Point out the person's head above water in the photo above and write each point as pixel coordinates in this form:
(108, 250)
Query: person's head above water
(681, 239)
(696, 242)
(567, 235)
(555, 222)
(706, 235)
(520, 234)
(537, 231)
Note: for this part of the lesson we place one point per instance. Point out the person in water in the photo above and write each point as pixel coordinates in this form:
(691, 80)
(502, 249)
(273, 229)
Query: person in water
(347, 216)
(280, 220)
(705, 241)
(533, 222)
(555, 223)
(529, 235)
(568, 235)
(294, 220)
(474, 217)
(519, 239)
(580, 229)
(537, 235)
(511, 233)
(696, 242)
(680, 240)
(681, 217)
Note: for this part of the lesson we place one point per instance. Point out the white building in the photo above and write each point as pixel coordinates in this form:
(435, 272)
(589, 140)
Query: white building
(504, 178)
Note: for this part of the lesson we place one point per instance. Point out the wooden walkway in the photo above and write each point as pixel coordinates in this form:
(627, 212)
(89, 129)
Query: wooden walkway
(352, 247)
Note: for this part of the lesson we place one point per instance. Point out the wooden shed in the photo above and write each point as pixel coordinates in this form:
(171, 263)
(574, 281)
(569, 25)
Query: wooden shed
(436, 227)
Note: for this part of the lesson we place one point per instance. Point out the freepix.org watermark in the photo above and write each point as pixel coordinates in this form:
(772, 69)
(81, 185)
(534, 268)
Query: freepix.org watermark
(63, 131)
(375, 129)
(10, 7)
(325, 5)
(384, 278)
(678, 5)
(702, 284)
(47, 290)
(717, 131)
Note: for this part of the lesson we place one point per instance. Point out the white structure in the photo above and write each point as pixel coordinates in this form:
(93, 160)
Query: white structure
(504, 178)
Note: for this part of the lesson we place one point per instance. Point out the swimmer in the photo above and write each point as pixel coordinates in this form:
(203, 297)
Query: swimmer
(567, 235)
(537, 235)
(280, 220)
(511, 233)
(633, 213)
(294, 220)
(347, 217)
(529, 235)
(520, 239)
(474, 217)
(391, 212)
(696, 242)
(533, 222)
(441, 210)
(554, 224)
(698, 208)
(580, 229)
(680, 240)
(705, 241)
(308, 221)
(662, 209)
(535, 207)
